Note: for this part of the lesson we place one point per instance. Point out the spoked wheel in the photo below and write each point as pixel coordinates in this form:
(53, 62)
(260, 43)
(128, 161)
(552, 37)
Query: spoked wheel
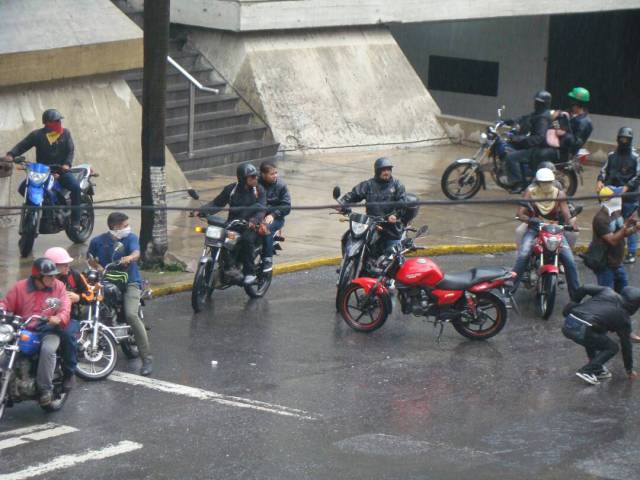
(347, 274)
(86, 222)
(259, 288)
(546, 294)
(98, 363)
(461, 181)
(361, 313)
(490, 317)
(569, 180)
(200, 290)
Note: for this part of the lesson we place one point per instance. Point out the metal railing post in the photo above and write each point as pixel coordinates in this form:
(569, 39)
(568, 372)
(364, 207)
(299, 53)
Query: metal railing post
(192, 116)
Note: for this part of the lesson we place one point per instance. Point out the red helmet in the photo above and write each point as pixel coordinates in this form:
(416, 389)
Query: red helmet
(43, 267)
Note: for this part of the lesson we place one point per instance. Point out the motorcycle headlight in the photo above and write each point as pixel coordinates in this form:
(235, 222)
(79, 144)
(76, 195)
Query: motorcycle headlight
(358, 228)
(215, 233)
(483, 138)
(552, 242)
(37, 177)
(6, 333)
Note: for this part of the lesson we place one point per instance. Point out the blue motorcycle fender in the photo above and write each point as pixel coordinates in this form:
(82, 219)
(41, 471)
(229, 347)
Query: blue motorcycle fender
(35, 195)
(353, 248)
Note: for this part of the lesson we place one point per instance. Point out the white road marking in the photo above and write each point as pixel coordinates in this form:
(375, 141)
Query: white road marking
(67, 461)
(201, 394)
(27, 435)
(25, 430)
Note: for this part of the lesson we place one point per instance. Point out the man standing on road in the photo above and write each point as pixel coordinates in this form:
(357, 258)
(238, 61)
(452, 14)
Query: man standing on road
(587, 324)
(102, 252)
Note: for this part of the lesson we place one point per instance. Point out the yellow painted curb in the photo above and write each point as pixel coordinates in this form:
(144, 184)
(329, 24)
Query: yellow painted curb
(291, 267)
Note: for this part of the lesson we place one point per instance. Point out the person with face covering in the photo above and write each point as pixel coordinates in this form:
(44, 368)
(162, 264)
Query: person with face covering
(546, 203)
(383, 187)
(587, 324)
(622, 169)
(102, 252)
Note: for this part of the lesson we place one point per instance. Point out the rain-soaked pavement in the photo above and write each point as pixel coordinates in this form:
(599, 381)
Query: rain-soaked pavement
(296, 394)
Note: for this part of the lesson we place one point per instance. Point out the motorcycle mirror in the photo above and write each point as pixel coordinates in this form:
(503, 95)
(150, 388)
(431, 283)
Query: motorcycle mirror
(422, 230)
(193, 194)
(336, 192)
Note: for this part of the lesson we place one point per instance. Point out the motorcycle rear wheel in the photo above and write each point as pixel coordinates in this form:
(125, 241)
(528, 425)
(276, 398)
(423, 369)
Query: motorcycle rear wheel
(489, 308)
(87, 360)
(460, 181)
(129, 349)
(259, 288)
(546, 295)
(56, 404)
(569, 179)
(87, 219)
(355, 313)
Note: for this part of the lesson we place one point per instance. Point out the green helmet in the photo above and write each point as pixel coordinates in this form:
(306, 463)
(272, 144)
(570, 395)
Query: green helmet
(580, 95)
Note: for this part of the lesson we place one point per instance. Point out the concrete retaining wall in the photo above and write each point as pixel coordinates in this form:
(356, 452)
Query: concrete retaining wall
(105, 120)
(326, 89)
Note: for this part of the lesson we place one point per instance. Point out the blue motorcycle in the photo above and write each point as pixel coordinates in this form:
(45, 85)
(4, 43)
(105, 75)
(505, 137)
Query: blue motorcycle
(41, 189)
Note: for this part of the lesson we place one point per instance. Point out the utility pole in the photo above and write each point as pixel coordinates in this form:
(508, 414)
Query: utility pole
(153, 229)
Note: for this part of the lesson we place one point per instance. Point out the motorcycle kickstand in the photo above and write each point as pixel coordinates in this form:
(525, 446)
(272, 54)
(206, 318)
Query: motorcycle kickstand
(439, 323)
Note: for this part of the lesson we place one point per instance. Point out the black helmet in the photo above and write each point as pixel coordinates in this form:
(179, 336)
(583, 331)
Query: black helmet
(625, 132)
(51, 115)
(550, 165)
(543, 98)
(410, 211)
(43, 267)
(245, 170)
(631, 298)
(382, 162)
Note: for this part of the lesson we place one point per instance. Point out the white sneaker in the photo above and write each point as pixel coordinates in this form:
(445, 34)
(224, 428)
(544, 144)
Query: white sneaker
(604, 374)
(587, 377)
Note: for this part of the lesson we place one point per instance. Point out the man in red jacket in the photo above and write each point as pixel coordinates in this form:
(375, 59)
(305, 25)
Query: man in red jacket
(29, 297)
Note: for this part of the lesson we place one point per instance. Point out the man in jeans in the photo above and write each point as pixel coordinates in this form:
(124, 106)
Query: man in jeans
(102, 252)
(587, 324)
(278, 207)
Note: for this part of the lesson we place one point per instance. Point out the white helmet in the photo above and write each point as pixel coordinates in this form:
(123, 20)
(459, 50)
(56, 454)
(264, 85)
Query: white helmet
(545, 175)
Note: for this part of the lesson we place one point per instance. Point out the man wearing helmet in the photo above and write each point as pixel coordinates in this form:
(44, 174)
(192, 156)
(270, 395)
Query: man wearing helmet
(383, 187)
(29, 297)
(54, 146)
(587, 324)
(525, 147)
(580, 126)
(545, 203)
(622, 169)
(251, 197)
(75, 286)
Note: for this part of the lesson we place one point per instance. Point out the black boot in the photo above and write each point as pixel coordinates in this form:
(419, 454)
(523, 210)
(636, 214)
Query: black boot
(147, 367)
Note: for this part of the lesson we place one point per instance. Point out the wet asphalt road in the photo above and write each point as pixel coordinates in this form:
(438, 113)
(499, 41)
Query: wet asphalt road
(390, 404)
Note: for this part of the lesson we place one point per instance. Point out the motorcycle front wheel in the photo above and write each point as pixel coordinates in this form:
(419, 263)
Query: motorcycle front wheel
(99, 363)
(461, 181)
(200, 291)
(29, 231)
(347, 274)
(490, 318)
(361, 313)
(546, 294)
(87, 219)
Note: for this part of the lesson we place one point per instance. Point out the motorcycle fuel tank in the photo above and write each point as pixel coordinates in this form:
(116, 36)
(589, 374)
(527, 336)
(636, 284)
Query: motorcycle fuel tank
(419, 271)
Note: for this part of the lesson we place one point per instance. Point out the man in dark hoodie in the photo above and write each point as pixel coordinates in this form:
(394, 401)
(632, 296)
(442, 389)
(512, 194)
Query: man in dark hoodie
(249, 195)
(587, 324)
(278, 207)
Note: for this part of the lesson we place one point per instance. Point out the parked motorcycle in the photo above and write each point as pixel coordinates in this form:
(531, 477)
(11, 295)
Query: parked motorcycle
(464, 178)
(105, 326)
(220, 265)
(19, 352)
(361, 247)
(543, 268)
(43, 189)
(467, 300)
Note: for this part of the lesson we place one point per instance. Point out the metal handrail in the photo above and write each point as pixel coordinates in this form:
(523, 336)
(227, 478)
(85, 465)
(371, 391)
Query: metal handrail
(193, 84)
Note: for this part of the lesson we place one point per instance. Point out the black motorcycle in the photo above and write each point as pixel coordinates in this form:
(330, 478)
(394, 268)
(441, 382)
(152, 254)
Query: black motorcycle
(220, 265)
(42, 189)
(361, 246)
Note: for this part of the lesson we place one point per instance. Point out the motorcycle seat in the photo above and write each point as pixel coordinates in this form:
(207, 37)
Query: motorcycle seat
(464, 280)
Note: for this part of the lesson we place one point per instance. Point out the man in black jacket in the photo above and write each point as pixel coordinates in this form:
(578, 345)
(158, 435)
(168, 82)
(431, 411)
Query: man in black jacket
(379, 189)
(246, 193)
(622, 169)
(580, 125)
(526, 147)
(54, 146)
(278, 207)
(587, 324)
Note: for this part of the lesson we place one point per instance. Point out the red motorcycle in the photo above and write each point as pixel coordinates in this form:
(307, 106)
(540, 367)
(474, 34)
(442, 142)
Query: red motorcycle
(465, 299)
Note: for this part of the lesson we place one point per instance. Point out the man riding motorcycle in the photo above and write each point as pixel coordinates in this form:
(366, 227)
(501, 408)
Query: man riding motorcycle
(545, 210)
(246, 193)
(580, 126)
(29, 297)
(528, 145)
(383, 187)
(279, 206)
(54, 146)
(622, 169)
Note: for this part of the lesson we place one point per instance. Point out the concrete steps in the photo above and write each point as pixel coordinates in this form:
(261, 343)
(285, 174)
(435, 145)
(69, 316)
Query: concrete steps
(225, 132)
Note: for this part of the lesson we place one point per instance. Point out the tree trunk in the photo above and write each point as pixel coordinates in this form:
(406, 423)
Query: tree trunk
(153, 229)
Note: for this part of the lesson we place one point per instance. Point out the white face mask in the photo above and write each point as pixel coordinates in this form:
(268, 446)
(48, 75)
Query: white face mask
(546, 187)
(120, 234)
(613, 205)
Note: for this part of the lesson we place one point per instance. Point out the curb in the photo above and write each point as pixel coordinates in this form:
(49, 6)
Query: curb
(291, 267)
